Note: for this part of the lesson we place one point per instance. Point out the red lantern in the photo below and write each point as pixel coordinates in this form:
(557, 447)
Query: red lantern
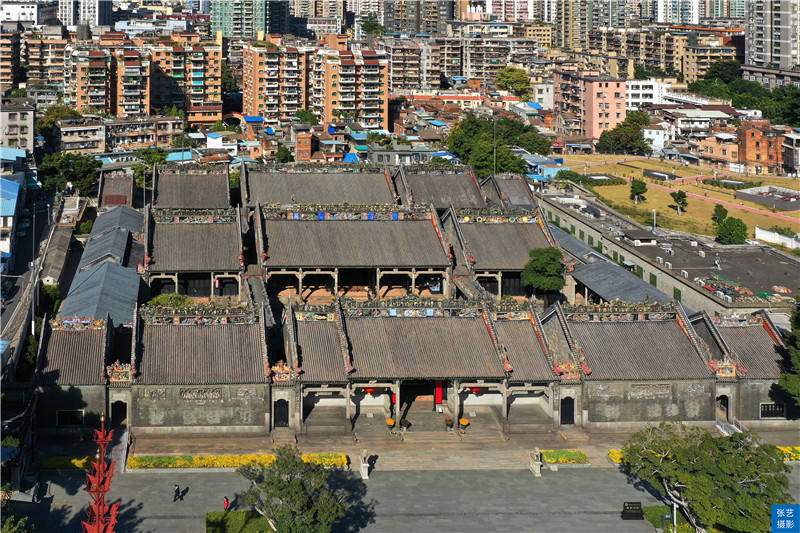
(369, 390)
(394, 398)
(475, 390)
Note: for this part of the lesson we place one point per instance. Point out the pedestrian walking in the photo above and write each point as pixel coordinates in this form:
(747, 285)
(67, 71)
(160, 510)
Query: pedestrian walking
(226, 503)
(176, 494)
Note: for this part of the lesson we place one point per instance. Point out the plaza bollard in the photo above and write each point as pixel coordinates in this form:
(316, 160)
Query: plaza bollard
(364, 465)
(536, 462)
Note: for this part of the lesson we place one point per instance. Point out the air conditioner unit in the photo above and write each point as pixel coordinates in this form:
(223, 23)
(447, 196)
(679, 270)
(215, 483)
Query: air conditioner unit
(668, 265)
(701, 253)
(684, 274)
(692, 243)
(660, 260)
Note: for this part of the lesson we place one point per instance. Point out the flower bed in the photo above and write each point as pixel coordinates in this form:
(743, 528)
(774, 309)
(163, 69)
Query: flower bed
(563, 457)
(62, 461)
(790, 453)
(616, 456)
(327, 460)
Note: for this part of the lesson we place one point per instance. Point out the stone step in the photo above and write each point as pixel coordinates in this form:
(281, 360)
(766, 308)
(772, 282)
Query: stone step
(283, 436)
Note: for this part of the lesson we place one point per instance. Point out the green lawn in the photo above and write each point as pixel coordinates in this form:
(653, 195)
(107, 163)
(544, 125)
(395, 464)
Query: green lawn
(236, 522)
(653, 513)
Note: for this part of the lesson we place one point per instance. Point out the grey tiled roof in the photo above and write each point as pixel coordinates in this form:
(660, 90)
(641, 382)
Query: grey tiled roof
(74, 357)
(320, 356)
(576, 247)
(502, 246)
(119, 217)
(753, 347)
(318, 188)
(515, 192)
(117, 186)
(424, 348)
(57, 252)
(638, 350)
(610, 281)
(195, 247)
(192, 190)
(353, 244)
(107, 289)
(213, 354)
(524, 351)
(109, 246)
(441, 190)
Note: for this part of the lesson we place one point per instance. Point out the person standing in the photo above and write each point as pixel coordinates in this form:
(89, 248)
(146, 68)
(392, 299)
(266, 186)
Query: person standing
(226, 503)
(176, 494)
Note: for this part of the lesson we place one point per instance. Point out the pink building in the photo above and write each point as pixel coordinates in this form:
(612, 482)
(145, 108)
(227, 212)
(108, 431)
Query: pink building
(587, 103)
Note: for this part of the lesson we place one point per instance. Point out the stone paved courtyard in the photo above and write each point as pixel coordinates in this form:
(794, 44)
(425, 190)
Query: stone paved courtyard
(569, 501)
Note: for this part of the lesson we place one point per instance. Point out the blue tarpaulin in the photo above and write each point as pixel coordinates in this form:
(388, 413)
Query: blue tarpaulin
(437, 123)
(269, 131)
(252, 118)
(179, 156)
(331, 129)
(534, 177)
(535, 105)
(350, 158)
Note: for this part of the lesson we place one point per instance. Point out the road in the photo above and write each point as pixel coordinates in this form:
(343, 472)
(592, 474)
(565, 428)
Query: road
(569, 501)
(24, 252)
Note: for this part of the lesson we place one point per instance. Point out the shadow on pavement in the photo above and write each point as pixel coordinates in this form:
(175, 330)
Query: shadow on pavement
(54, 517)
(360, 513)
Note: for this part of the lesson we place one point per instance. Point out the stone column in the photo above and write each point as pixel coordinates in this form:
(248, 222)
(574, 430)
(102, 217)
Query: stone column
(413, 281)
(378, 283)
(176, 283)
(347, 409)
(398, 411)
(504, 391)
(499, 285)
(300, 284)
(212, 286)
(335, 282)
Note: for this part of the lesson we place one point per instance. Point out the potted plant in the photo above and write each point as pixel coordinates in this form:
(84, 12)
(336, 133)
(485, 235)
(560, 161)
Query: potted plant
(463, 422)
(449, 423)
(390, 423)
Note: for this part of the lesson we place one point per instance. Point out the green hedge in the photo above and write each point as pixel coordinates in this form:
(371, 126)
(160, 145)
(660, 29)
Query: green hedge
(565, 456)
(734, 186)
(235, 522)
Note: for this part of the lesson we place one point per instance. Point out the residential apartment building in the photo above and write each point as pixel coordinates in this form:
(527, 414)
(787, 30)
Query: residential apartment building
(17, 116)
(275, 80)
(130, 85)
(570, 23)
(143, 132)
(188, 74)
(92, 12)
(405, 63)
(350, 86)
(639, 93)
(418, 16)
(87, 83)
(719, 149)
(45, 59)
(677, 11)
(35, 12)
(700, 57)
(240, 18)
(484, 58)
(542, 33)
(588, 103)
(772, 42)
(9, 58)
(761, 147)
(82, 135)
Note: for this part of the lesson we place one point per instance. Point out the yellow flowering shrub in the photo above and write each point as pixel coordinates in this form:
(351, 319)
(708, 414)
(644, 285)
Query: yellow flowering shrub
(616, 456)
(227, 461)
(327, 460)
(790, 453)
(563, 457)
(62, 461)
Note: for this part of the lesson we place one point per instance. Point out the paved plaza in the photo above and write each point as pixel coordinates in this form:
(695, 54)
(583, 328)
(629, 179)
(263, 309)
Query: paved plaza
(569, 501)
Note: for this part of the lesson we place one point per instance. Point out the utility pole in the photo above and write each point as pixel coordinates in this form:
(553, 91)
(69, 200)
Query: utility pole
(654, 220)
(494, 144)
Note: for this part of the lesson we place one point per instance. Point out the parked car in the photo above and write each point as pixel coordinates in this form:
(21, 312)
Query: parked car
(21, 232)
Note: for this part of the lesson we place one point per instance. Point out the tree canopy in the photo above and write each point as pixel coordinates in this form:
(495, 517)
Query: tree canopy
(371, 26)
(44, 124)
(719, 215)
(474, 133)
(306, 117)
(61, 167)
(681, 202)
(790, 379)
(150, 157)
(229, 82)
(295, 496)
(638, 188)
(732, 231)
(515, 80)
(716, 481)
(627, 136)
(781, 105)
(283, 155)
(544, 271)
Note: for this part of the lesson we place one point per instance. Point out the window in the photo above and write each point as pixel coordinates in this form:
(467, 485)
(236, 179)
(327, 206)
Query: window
(572, 229)
(653, 280)
(676, 293)
(580, 233)
(639, 271)
(617, 115)
(591, 240)
(616, 256)
(74, 417)
(773, 410)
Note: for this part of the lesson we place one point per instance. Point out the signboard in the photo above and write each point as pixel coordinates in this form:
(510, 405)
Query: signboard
(785, 518)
